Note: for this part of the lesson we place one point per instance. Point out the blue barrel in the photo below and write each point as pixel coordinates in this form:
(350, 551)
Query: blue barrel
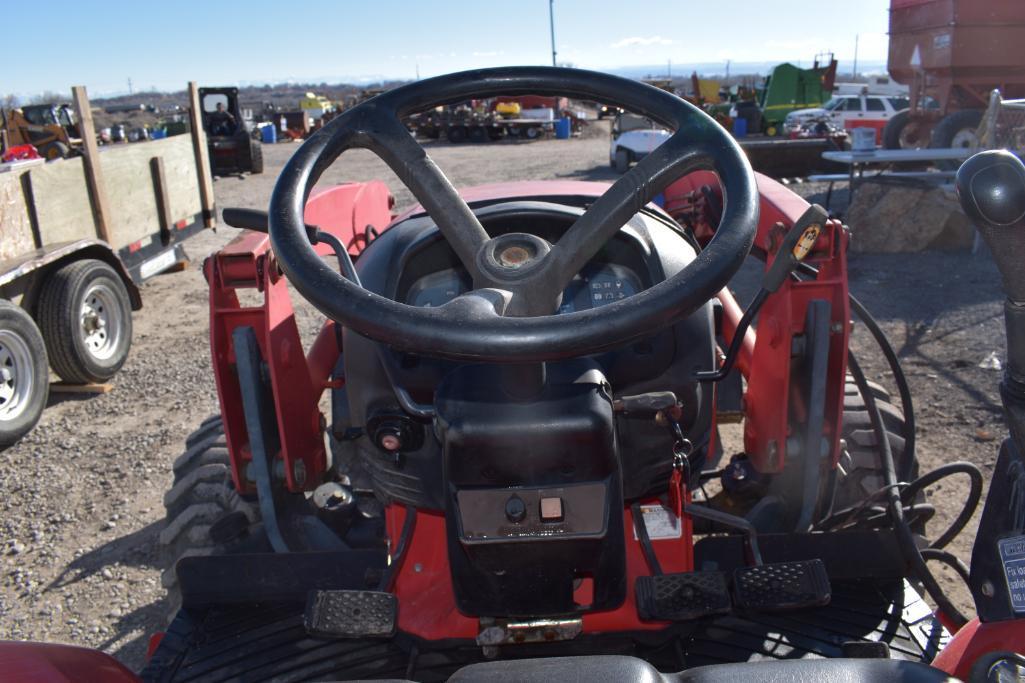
(739, 127)
(269, 134)
(563, 128)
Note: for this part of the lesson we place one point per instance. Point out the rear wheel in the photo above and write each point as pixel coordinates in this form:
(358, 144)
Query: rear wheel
(86, 319)
(532, 132)
(957, 130)
(257, 156)
(54, 150)
(24, 378)
(478, 134)
(456, 134)
(622, 163)
(205, 515)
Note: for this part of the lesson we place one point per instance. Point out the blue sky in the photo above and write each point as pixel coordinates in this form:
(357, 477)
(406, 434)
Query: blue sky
(165, 44)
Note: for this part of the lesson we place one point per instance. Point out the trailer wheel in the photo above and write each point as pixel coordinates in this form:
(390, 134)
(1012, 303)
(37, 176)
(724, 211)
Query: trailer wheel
(54, 150)
(478, 134)
(86, 319)
(957, 129)
(903, 132)
(257, 156)
(456, 134)
(205, 515)
(532, 132)
(622, 160)
(513, 131)
(24, 377)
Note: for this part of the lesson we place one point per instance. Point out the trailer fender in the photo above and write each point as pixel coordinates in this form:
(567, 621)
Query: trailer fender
(39, 261)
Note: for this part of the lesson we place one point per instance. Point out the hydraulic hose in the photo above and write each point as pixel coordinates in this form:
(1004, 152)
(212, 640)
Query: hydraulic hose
(905, 537)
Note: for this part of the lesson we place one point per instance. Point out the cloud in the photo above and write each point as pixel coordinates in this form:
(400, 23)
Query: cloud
(636, 41)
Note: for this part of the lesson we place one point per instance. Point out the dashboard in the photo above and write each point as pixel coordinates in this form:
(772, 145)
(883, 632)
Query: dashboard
(596, 285)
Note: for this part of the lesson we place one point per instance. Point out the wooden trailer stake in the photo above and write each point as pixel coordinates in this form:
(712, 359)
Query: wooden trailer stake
(91, 162)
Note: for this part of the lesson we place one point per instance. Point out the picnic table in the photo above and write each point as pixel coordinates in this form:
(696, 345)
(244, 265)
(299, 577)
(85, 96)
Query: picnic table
(886, 159)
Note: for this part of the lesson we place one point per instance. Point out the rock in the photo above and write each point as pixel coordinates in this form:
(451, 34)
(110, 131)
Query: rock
(106, 573)
(889, 217)
(17, 548)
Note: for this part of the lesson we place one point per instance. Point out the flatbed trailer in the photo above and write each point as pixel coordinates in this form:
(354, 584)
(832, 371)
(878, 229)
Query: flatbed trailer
(478, 127)
(77, 238)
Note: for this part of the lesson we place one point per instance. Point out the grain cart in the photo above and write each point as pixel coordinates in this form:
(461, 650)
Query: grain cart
(952, 53)
(77, 238)
(525, 393)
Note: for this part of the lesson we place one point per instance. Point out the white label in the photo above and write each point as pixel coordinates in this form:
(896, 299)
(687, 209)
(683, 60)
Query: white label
(1012, 554)
(157, 264)
(660, 522)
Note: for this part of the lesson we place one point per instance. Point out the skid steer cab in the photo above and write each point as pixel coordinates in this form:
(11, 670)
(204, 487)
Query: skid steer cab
(232, 149)
(522, 476)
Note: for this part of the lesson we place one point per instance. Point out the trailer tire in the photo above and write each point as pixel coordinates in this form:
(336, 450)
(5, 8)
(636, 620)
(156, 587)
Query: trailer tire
(478, 134)
(622, 162)
(532, 132)
(204, 513)
(257, 156)
(85, 316)
(957, 129)
(864, 475)
(24, 376)
(52, 151)
(456, 134)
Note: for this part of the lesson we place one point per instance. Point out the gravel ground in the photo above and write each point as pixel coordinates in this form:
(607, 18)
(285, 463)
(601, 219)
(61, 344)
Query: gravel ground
(82, 507)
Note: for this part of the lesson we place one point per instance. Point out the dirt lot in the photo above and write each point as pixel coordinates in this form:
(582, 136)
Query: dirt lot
(81, 505)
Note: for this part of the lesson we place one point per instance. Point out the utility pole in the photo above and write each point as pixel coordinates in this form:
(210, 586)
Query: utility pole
(855, 74)
(129, 86)
(727, 70)
(551, 26)
(669, 69)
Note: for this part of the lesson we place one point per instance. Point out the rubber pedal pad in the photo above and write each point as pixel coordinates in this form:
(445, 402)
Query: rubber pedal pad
(782, 586)
(350, 614)
(683, 596)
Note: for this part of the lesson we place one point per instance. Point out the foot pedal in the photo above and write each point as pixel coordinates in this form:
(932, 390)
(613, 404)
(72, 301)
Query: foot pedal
(782, 585)
(350, 614)
(680, 597)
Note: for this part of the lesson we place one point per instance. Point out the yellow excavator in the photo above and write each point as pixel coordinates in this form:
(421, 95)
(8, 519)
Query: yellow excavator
(51, 128)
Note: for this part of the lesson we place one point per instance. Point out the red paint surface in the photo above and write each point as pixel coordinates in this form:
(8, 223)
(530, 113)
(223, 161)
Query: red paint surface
(52, 663)
(976, 639)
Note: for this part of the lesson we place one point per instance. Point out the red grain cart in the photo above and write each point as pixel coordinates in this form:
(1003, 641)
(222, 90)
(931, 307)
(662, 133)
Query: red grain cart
(952, 53)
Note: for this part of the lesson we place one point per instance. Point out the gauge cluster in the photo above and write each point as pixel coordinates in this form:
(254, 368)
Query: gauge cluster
(597, 285)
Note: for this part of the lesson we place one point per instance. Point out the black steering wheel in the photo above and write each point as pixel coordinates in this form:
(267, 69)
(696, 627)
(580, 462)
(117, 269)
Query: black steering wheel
(518, 278)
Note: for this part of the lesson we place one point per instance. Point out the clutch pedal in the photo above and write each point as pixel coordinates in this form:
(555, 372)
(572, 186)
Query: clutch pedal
(782, 585)
(681, 597)
(350, 614)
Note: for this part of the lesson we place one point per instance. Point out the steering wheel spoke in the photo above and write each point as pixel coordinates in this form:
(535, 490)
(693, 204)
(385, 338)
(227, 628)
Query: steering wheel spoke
(628, 195)
(390, 140)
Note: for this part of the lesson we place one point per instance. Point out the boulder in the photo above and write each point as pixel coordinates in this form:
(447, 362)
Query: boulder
(891, 217)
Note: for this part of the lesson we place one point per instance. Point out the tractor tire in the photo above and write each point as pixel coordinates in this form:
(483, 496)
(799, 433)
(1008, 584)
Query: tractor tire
(622, 164)
(257, 156)
(86, 319)
(456, 134)
(864, 474)
(52, 151)
(24, 377)
(957, 130)
(205, 515)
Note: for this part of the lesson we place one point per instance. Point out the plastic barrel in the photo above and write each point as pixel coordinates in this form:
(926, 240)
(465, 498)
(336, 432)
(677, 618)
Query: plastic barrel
(739, 127)
(268, 135)
(563, 128)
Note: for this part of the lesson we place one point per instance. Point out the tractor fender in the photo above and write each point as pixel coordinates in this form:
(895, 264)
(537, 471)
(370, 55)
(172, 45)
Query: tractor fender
(53, 663)
(18, 271)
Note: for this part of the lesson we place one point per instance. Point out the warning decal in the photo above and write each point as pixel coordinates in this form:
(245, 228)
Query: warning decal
(1012, 555)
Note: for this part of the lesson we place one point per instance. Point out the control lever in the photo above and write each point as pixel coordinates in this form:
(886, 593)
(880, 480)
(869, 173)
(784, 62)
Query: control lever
(991, 187)
(798, 242)
(252, 219)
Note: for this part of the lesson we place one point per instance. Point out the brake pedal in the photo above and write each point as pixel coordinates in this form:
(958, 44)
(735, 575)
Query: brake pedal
(681, 597)
(350, 614)
(782, 585)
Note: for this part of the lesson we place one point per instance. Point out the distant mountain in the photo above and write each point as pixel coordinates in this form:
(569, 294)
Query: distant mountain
(718, 69)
